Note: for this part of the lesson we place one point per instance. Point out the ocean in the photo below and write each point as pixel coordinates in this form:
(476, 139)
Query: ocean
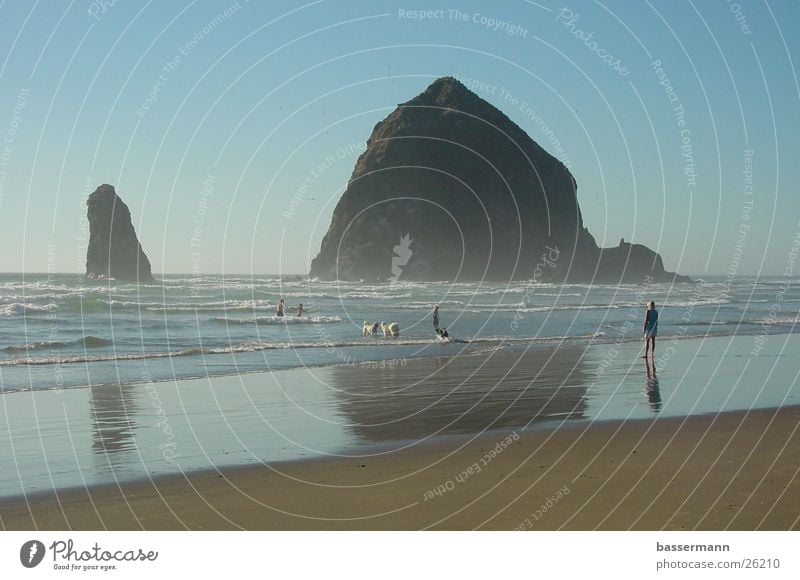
(64, 331)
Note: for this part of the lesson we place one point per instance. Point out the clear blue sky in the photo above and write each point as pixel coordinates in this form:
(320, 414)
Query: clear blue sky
(252, 97)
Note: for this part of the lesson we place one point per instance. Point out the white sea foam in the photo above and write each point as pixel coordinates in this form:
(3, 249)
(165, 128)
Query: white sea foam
(279, 320)
(781, 320)
(21, 308)
(37, 287)
(373, 295)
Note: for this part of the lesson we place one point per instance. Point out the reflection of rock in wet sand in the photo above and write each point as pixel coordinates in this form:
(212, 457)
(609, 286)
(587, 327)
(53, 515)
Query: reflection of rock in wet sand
(465, 394)
(113, 409)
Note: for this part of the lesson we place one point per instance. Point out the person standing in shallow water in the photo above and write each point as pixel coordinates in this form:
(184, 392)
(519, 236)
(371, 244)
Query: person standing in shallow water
(436, 316)
(650, 329)
(300, 310)
(281, 307)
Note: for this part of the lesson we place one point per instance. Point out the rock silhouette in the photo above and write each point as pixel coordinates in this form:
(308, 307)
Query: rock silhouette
(476, 196)
(114, 250)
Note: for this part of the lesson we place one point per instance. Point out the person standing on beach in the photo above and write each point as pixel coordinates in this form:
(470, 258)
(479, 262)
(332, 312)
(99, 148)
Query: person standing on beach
(281, 307)
(436, 316)
(650, 329)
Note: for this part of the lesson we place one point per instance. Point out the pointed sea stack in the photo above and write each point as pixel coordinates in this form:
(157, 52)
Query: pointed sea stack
(114, 250)
(478, 198)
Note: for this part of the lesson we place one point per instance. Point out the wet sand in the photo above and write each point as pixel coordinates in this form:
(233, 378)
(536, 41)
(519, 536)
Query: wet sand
(567, 437)
(735, 471)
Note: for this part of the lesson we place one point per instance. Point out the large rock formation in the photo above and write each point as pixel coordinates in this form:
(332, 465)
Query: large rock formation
(450, 188)
(114, 250)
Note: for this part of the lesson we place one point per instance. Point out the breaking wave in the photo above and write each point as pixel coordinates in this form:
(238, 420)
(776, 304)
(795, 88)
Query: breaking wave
(279, 320)
(86, 341)
(256, 346)
(19, 308)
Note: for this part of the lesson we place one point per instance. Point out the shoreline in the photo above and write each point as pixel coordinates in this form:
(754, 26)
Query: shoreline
(662, 473)
(510, 344)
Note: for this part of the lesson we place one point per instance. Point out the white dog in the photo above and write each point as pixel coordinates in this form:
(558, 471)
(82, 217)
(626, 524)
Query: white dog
(370, 328)
(390, 329)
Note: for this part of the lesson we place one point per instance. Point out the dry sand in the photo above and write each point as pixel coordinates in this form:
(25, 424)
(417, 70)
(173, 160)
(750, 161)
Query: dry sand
(734, 471)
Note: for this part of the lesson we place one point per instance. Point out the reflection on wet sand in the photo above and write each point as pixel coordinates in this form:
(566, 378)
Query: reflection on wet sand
(652, 387)
(113, 409)
(464, 394)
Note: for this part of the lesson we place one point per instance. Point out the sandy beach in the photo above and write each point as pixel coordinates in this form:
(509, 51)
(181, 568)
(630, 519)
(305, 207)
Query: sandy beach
(511, 439)
(735, 471)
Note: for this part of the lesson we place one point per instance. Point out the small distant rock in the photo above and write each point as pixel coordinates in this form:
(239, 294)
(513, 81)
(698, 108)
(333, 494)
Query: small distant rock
(114, 250)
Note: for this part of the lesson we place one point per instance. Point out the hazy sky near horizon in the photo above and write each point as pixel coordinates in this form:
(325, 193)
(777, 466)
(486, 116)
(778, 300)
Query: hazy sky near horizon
(230, 128)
